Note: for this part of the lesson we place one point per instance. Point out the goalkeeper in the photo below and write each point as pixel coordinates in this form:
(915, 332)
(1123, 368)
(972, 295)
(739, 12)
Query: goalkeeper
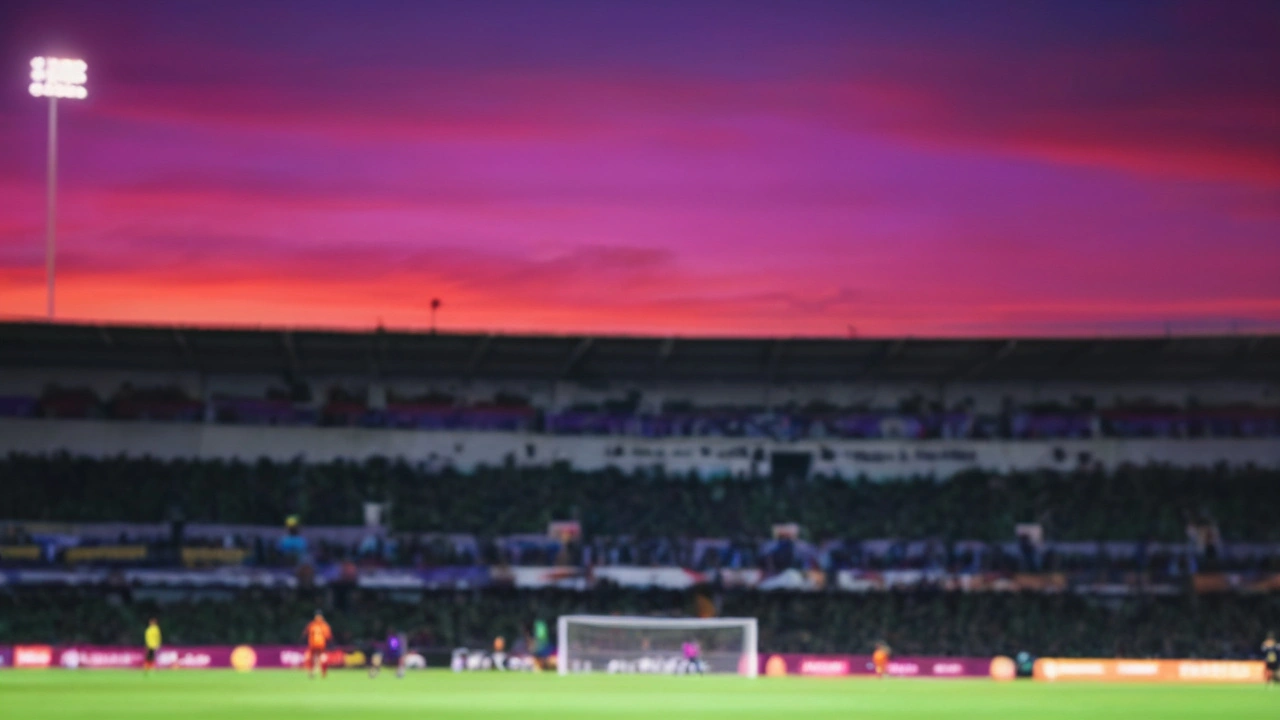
(542, 648)
(693, 657)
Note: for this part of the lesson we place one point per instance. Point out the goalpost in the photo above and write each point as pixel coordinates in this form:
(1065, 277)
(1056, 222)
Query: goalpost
(612, 644)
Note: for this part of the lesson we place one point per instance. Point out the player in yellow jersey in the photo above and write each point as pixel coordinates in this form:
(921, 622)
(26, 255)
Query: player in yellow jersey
(152, 639)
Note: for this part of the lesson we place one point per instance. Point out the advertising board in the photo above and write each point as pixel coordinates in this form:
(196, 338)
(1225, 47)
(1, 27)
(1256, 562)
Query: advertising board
(775, 665)
(1154, 671)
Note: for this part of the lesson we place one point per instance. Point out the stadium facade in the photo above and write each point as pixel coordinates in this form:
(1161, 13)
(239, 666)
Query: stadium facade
(713, 407)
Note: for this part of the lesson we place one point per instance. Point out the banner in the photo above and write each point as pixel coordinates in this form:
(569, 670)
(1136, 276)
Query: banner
(237, 577)
(669, 578)
(240, 657)
(881, 580)
(20, 553)
(240, 577)
(73, 658)
(777, 665)
(1162, 671)
(790, 579)
(569, 577)
(1236, 582)
(106, 553)
(565, 578)
(576, 578)
(461, 577)
(877, 580)
(201, 556)
(32, 656)
(465, 660)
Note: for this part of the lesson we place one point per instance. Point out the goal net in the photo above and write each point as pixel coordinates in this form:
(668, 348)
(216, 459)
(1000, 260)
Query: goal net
(665, 646)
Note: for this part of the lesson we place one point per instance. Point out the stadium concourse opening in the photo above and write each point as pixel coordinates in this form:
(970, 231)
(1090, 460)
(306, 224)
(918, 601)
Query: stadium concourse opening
(783, 465)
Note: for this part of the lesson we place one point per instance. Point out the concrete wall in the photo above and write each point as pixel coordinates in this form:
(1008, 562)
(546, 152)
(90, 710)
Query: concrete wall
(707, 456)
(982, 396)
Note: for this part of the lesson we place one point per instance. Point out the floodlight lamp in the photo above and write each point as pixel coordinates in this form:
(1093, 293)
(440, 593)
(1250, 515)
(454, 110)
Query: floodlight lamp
(59, 78)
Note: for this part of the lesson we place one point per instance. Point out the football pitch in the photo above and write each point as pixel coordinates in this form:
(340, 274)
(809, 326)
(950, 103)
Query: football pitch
(442, 695)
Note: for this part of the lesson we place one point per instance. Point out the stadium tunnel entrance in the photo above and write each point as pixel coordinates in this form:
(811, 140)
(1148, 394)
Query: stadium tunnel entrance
(789, 464)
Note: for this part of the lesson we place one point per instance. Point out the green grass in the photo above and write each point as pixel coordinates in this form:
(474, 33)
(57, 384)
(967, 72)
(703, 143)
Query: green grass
(441, 695)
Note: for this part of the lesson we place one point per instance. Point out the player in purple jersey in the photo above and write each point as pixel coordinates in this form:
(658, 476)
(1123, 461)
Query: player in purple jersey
(392, 654)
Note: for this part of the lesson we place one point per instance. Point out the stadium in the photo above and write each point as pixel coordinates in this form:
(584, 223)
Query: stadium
(990, 509)
(580, 359)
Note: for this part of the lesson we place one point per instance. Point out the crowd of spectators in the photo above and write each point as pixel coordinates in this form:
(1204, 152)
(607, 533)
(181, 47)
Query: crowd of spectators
(1165, 522)
(1117, 562)
(912, 418)
(1152, 503)
(916, 623)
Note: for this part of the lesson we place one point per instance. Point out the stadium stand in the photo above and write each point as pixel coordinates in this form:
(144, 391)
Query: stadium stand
(649, 387)
(1107, 497)
(917, 623)
(1153, 503)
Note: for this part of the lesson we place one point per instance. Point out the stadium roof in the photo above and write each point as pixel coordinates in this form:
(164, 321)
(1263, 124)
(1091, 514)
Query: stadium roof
(305, 353)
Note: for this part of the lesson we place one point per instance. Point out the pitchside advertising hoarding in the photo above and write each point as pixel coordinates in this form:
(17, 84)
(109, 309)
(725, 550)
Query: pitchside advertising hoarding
(468, 660)
(1003, 668)
(238, 657)
(1156, 671)
(252, 657)
(777, 665)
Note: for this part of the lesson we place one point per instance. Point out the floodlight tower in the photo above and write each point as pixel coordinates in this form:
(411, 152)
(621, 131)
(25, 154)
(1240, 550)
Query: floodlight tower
(55, 78)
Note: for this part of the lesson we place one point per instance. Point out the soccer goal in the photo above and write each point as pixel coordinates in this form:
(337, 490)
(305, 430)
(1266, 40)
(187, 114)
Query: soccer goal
(664, 646)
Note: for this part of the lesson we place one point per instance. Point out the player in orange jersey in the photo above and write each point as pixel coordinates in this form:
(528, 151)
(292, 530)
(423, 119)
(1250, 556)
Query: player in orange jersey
(880, 659)
(318, 636)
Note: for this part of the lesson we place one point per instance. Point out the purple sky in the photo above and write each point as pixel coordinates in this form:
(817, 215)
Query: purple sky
(726, 168)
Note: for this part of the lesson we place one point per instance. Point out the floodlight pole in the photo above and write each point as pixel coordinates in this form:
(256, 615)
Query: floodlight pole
(50, 239)
(53, 78)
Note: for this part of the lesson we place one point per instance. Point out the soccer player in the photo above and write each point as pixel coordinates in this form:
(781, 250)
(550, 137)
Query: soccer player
(1271, 656)
(693, 656)
(880, 659)
(397, 649)
(318, 636)
(542, 649)
(394, 654)
(152, 639)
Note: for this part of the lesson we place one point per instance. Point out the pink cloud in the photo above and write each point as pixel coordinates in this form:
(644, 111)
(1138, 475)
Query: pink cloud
(914, 185)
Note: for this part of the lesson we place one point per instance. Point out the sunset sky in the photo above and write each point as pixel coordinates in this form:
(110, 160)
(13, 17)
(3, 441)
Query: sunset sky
(716, 168)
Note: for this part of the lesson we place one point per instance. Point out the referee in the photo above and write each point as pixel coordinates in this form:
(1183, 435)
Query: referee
(152, 639)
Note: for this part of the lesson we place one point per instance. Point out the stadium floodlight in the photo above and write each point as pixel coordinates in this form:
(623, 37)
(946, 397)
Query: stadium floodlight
(55, 78)
(59, 78)
(646, 645)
